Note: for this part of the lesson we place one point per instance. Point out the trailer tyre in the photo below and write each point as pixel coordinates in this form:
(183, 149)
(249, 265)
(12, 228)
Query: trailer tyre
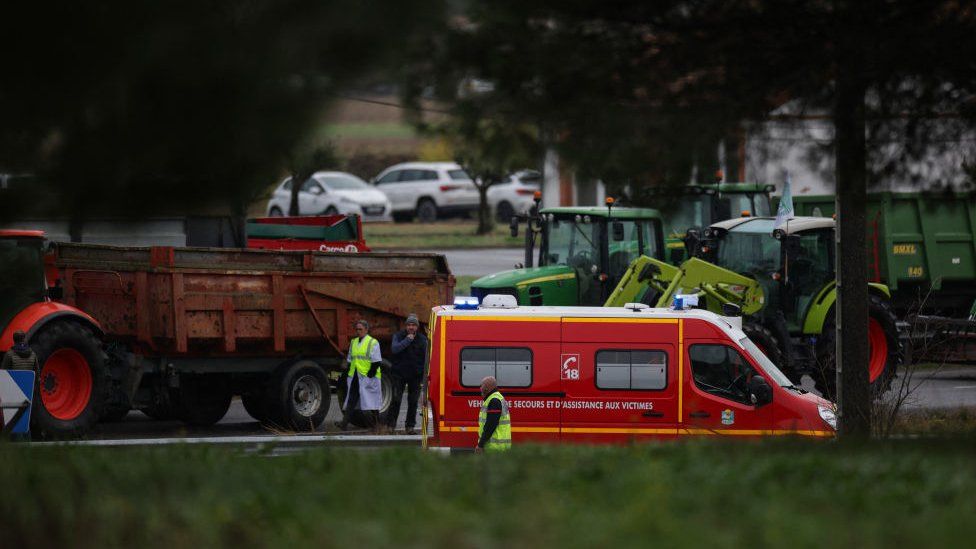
(771, 346)
(202, 400)
(886, 352)
(300, 396)
(255, 402)
(73, 383)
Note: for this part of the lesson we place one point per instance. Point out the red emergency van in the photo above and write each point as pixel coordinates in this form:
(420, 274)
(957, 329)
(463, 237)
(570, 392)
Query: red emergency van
(608, 375)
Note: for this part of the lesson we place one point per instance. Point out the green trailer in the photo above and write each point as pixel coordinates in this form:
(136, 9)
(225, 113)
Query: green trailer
(920, 245)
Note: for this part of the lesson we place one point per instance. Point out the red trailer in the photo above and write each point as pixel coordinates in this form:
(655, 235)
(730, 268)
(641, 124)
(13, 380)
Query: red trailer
(322, 233)
(180, 331)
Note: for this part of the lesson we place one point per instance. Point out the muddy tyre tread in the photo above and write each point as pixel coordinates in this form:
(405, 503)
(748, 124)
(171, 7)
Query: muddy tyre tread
(67, 333)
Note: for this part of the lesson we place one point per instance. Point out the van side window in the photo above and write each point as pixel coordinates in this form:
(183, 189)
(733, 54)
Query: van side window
(510, 366)
(721, 371)
(631, 369)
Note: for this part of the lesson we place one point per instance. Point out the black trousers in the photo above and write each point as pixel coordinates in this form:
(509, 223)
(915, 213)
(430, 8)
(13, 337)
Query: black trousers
(412, 384)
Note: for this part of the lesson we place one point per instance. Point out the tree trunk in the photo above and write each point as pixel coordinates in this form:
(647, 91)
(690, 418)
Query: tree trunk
(853, 348)
(486, 223)
(296, 184)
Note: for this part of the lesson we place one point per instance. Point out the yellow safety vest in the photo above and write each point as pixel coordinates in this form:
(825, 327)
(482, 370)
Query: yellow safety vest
(359, 351)
(501, 439)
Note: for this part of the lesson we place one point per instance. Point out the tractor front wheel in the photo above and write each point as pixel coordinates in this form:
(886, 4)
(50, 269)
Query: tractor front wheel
(73, 380)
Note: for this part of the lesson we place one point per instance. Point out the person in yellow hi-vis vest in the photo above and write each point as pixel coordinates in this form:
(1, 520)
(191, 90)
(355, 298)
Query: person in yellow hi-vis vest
(494, 421)
(363, 384)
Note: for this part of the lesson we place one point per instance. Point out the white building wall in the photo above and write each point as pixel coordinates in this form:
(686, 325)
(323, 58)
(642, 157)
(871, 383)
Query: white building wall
(803, 149)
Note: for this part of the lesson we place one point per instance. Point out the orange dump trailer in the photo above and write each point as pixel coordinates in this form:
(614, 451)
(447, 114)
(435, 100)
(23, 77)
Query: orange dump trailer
(186, 329)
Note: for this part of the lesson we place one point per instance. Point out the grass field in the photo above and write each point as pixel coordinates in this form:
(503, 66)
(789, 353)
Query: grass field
(447, 234)
(733, 494)
(463, 286)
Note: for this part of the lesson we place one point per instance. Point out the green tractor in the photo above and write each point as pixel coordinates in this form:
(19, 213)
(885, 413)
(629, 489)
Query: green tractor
(703, 205)
(584, 251)
(783, 282)
(582, 254)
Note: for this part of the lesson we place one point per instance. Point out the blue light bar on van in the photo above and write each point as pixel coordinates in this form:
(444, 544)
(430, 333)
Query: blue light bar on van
(682, 302)
(463, 303)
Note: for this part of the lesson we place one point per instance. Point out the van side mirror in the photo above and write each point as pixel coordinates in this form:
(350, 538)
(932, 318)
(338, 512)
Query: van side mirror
(618, 231)
(513, 226)
(760, 392)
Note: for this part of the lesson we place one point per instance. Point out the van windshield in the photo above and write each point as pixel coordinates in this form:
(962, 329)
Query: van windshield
(776, 376)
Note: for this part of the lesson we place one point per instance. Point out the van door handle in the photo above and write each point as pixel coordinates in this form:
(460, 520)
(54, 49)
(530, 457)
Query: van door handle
(699, 414)
(652, 413)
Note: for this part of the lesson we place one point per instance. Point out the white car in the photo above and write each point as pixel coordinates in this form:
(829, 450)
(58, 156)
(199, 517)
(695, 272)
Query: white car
(428, 190)
(515, 195)
(330, 193)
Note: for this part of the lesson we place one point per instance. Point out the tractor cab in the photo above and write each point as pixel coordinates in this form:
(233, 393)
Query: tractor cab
(581, 255)
(21, 272)
(794, 263)
(703, 205)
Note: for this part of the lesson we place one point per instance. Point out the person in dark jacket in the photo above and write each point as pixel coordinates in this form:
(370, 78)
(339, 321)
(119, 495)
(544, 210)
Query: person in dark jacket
(409, 356)
(20, 356)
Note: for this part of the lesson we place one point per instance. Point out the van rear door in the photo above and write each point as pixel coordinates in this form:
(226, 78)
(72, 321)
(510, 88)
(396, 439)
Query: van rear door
(619, 377)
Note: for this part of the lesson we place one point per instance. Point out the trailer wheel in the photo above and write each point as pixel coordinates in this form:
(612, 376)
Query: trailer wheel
(300, 397)
(885, 350)
(771, 346)
(201, 400)
(256, 404)
(159, 410)
(73, 383)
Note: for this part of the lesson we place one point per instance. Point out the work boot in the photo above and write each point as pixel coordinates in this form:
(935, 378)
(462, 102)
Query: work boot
(342, 425)
(410, 431)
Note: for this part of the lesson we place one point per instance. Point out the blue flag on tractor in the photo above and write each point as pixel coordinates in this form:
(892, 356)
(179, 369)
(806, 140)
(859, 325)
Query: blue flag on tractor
(785, 212)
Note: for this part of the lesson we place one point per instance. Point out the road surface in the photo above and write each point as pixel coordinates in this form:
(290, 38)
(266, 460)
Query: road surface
(948, 388)
(481, 261)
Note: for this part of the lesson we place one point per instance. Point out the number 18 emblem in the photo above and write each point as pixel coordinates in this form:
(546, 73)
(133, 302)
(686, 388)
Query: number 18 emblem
(570, 367)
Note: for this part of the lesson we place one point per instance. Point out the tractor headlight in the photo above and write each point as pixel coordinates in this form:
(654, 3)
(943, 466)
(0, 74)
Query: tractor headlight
(828, 415)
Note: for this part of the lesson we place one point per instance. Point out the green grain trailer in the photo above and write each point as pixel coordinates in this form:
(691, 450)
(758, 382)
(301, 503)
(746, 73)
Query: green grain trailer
(921, 245)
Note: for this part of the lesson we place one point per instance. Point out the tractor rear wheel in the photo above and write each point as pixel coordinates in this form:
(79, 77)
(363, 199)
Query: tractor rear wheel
(884, 358)
(73, 383)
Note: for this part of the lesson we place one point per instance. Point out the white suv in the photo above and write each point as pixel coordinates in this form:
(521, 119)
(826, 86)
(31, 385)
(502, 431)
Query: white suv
(514, 195)
(428, 190)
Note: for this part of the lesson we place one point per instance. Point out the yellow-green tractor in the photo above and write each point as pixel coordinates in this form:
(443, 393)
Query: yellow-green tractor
(783, 282)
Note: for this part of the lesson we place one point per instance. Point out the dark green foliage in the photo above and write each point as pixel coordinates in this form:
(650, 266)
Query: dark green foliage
(128, 108)
(773, 494)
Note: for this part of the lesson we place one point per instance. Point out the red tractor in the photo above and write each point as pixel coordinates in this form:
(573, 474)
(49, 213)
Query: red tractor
(73, 373)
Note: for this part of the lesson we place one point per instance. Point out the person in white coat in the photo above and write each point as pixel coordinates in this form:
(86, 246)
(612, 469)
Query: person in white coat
(363, 379)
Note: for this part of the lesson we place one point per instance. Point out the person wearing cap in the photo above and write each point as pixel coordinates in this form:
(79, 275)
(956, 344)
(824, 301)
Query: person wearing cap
(409, 355)
(20, 356)
(363, 384)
